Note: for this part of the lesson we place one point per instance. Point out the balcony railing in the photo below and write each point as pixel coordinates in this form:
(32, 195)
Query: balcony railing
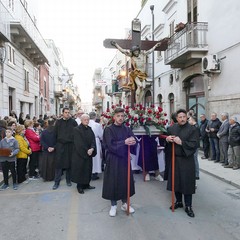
(191, 38)
(4, 22)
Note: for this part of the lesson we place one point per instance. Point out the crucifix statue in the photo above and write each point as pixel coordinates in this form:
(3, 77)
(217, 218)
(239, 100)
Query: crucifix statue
(138, 51)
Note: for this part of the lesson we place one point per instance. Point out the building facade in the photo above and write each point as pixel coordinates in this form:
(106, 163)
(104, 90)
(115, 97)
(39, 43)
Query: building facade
(199, 69)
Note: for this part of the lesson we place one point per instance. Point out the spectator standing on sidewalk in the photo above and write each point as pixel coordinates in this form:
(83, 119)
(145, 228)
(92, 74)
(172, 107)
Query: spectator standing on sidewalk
(193, 121)
(234, 144)
(64, 147)
(212, 129)
(48, 142)
(204, 136)
(34, 143)
(222, 134)
(8, 160)
(116, 139)
(186, 140)
(22, 156)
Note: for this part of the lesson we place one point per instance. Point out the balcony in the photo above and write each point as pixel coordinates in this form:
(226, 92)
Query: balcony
(26, 36)
(187, 46)
(58, 90)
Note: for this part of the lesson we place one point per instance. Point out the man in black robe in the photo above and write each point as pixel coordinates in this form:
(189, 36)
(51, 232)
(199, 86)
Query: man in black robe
(116, 139)
(83, 152)
(64, 147)
(186, 140)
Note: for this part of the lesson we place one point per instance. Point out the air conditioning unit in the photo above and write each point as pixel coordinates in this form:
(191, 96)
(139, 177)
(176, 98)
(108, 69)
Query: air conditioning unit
(211, 63)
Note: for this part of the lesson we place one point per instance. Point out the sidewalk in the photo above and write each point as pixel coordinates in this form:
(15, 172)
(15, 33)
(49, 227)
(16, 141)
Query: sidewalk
(214, 169)
(227, 175)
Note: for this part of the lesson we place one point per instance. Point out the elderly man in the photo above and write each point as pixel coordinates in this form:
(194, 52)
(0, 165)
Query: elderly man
(222, 134)
(234, 144)
(78, 116)
(83, 152)
(212, 129)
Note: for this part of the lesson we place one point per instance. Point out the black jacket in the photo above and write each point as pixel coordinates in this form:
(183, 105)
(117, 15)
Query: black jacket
(234, 135)
(214, 124)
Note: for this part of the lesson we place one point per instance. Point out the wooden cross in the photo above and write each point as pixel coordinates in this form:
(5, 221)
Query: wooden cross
(136, 41)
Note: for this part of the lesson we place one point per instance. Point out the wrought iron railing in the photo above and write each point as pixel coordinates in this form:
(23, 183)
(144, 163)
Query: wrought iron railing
(192, 37)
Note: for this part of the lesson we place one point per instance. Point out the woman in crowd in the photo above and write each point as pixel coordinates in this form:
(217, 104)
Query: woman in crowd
(48, 142)
(9, 146)
(34, 142)
(22, 156)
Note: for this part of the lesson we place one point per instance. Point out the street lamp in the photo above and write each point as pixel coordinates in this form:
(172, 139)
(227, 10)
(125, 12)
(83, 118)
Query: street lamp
(102, 97)
(152, 11)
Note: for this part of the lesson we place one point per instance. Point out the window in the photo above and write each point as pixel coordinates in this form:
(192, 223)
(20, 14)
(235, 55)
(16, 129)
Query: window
(159, 82)
(192, 10)
(11, 4)
(36, 75)
(45, 87)
(11, 55)
(172, 28)
(26, 80)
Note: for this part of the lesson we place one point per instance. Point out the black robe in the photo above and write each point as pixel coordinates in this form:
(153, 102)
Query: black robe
(64, 147)
(84, 139)
(115, 173)
(150, 153)
(184, 158)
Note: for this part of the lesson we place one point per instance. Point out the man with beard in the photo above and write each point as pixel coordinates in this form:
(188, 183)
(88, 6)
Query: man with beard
(116, 139)
(64, 147)
(186, 140)
(83, 152)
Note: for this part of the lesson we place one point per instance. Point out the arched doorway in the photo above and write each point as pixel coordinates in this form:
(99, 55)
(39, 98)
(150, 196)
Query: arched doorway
(195, 96)
(160, 100)
(148, 98)
(171, 103)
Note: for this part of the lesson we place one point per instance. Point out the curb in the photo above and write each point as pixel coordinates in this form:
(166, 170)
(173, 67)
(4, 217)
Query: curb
(221, 178)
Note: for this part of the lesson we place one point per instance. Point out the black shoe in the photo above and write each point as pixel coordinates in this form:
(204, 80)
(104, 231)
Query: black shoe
(95, 176)
(189, 211)
(177, 205)
(69, 184)
(80, 190)
(55, 186)
(216, 161)
(90, 187)
(197, 178)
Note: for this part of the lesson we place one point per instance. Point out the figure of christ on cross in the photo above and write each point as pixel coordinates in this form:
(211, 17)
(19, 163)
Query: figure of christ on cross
(138, 75)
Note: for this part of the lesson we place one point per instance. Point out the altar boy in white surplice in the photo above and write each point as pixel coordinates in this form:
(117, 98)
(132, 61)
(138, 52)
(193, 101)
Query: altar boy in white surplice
(98, 132)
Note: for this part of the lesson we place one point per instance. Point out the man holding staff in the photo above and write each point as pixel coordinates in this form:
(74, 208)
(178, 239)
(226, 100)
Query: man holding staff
(116, 183)
(185, 137)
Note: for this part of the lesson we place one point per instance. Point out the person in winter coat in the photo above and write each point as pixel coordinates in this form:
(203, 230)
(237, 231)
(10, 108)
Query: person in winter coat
(8, 160)
(234, 144)
(34, 143)
(22, 156)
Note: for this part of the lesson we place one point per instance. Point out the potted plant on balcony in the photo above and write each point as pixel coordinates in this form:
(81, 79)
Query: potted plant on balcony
(180, 26)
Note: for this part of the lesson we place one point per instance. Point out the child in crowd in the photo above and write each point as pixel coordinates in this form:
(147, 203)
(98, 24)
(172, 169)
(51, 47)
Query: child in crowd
(10, 148)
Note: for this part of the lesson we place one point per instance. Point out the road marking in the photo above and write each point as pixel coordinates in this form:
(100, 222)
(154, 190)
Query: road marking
(73, 217)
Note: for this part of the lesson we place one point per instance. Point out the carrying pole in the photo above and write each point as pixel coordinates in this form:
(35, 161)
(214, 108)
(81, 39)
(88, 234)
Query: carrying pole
(128, 181)
(143, 160)
(173, 175)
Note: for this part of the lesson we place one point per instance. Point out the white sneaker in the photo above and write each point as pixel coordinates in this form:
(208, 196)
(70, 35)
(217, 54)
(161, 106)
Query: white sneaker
(147, 177)
(113, 211)
(159, 178)
(124, 208)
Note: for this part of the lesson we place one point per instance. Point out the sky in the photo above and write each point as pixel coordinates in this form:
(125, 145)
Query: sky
(79, 27)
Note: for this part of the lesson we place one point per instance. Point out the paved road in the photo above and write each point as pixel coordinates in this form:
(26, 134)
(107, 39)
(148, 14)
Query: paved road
(37, 212)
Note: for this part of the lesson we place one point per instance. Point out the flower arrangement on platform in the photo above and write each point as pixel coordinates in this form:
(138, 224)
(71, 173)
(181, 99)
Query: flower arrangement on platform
(139, 116)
